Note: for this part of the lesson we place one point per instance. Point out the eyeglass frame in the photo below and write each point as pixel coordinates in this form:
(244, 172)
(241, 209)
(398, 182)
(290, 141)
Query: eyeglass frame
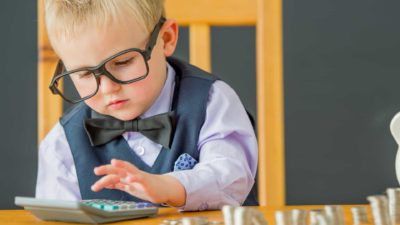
(100, 69)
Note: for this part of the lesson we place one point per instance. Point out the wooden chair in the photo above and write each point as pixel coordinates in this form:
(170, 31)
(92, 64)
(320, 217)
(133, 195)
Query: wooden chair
(199, 15)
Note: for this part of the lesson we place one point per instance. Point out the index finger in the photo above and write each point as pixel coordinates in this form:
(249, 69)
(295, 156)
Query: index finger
(109, 169)
(105, 182)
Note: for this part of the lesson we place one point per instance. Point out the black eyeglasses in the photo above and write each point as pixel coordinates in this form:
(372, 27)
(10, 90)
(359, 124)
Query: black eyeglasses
(125, 67)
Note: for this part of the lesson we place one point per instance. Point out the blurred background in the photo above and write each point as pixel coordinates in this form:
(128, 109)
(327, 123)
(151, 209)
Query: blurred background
(341, 79)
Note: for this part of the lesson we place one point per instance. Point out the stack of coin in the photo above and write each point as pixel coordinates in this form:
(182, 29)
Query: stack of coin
(196, 220)
(359, 215)
(313, 216)
(258, 218)
(394, 205)
(228, 212)
(171, 222)
(380, 212)
(299, 216)
(283, 218)
(242, 215)
(335, 214)
(322, 219)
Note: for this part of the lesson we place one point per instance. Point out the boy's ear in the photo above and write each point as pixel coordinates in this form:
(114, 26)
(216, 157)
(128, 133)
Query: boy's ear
(170, 36)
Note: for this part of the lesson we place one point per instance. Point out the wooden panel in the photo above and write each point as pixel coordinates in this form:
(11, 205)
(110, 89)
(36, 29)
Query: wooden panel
(220, 12)
(270, 103)
(49, 105)
(199, 46)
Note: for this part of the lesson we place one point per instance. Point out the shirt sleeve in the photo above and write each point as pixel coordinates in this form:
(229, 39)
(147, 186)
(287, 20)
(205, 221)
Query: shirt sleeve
(228, 155)
(56, 171)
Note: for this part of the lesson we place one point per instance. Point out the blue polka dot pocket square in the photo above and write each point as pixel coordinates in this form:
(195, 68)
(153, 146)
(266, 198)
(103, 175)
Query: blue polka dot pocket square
(184, 162)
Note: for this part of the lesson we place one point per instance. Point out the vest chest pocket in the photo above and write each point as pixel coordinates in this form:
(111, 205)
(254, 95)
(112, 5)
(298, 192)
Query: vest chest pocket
(184, 162)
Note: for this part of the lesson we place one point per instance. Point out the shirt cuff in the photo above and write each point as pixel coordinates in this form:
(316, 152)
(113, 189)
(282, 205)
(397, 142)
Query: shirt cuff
(201, 194)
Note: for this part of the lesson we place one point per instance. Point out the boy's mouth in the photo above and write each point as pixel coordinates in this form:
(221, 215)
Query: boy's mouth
(117, 104)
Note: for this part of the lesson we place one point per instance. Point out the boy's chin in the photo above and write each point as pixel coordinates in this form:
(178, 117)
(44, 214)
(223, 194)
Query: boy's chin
(124, 117)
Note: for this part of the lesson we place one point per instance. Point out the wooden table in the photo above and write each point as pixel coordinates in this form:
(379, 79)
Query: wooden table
(21, 217)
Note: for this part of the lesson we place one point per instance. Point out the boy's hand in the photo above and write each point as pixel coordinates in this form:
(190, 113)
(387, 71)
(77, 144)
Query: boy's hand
(126, 177)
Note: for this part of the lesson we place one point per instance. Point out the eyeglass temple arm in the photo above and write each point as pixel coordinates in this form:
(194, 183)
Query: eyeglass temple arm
(154, 36)
(59, 69)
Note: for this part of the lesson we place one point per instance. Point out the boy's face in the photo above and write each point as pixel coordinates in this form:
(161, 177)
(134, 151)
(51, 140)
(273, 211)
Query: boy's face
(93, 45)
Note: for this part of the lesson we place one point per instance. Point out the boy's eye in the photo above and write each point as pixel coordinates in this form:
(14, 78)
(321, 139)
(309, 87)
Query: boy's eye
(85, 74)
(124, 62)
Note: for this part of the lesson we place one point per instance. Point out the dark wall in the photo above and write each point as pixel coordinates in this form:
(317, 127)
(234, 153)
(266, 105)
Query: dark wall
(18, 132)
(341, 91)
(340, 77)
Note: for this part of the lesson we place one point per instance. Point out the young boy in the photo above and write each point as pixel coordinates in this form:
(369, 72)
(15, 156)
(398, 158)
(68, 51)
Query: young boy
(146, 126)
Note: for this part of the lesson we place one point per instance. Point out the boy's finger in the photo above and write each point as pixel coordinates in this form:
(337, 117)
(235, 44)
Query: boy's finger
(105, 182)
(112, 186)
(108, 169)
(124, 187)
(120, 186)
(134, 178)
(129, 179)
(125, 165)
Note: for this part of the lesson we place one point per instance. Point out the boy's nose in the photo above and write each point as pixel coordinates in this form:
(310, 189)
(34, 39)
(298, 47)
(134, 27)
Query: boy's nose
(107, 86)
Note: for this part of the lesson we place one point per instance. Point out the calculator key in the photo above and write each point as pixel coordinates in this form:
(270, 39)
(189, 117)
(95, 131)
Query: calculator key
(96, 205)
(111, 207)
(144, 205)
(128, 206)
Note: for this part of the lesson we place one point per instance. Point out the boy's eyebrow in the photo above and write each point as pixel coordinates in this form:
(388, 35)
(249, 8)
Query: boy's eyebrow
(81, 66)
(88, 66)
(75, 67)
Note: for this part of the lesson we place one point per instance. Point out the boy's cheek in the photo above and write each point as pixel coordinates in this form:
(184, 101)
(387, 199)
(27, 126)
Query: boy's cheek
(95, 104)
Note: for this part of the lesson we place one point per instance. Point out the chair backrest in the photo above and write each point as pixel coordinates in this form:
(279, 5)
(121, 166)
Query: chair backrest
(199, 15)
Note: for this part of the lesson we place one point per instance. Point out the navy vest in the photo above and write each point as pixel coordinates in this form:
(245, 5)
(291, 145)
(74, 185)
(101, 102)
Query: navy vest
(189, 103)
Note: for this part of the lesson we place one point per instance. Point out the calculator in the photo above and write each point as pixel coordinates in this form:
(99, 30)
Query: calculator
(92, 211)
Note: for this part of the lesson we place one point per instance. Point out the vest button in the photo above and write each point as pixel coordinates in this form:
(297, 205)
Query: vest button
(140, 150)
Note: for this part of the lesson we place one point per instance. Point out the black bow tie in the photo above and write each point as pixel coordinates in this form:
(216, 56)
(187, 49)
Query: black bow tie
(158, 128)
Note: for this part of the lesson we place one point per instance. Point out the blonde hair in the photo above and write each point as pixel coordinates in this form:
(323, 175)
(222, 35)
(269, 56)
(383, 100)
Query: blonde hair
(65, 18)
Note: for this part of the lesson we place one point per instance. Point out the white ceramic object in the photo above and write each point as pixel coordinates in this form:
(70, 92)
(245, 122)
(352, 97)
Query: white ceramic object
(395, 129)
